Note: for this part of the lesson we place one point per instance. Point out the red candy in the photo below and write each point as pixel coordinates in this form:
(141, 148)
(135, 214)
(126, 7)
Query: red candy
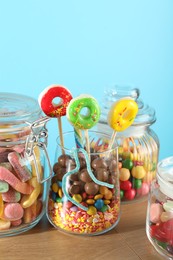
(13, 211)
(163, 232)
(130, 194)
(125, 185)
(49, 94)
(21, 171)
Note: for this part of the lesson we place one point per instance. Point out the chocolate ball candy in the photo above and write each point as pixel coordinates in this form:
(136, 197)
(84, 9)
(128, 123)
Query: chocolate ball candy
(113, 166)
(81, 184)
(102, 174)
(93, 157)
(60, 171)
(54, 179)
(74, 177)
(56, 167)
(84, 176)
(71, 165)
(99, 163)
(74, 189)
(64, 160)
(112, 179)
(91, 188)
(82, 162)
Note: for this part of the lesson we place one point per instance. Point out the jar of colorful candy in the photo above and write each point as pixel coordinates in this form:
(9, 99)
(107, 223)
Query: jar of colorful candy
(159, 223)
(23, 157)
(138, 145)
(84, 195)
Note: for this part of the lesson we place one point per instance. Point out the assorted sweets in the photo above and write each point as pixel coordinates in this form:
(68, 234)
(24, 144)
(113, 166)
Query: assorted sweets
(138, 145)
(84, 196)
(22, 202)
(159, 223)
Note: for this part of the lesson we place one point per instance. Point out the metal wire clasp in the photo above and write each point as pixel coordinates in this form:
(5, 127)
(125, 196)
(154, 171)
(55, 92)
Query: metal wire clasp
(38, 137)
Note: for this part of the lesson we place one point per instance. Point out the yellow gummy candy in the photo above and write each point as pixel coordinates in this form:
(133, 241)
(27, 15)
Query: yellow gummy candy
(38, 161)
(28, 200)
(1, 205)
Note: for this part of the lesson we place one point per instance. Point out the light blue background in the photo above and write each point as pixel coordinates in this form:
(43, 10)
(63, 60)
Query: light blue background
(89, 46)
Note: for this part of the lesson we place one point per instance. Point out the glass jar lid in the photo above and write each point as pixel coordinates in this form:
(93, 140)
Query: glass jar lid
(165, 176)
(146, 114)
(17, 109)
(17, 113)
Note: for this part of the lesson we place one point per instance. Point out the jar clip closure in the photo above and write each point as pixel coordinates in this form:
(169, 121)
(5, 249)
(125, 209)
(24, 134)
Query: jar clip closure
(38, 137)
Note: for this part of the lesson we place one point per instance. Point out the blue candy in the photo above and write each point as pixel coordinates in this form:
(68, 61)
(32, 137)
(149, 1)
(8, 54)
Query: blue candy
(99, 204)
(53, 195)
(60, 184)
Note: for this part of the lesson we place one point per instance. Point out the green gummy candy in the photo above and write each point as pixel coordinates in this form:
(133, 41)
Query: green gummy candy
(4, 186)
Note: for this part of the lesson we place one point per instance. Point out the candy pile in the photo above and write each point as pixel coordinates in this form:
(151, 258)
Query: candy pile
(20, 192)
(102, 203)
(84, 194)
(132, 179)
(136, 170)
(161, 225)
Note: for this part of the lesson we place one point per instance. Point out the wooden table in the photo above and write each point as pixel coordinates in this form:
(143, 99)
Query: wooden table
(126, 241)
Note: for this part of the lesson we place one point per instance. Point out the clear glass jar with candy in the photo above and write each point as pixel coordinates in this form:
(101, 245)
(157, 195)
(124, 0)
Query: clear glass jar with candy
(138, 145)
(23, 157)
(159, 222)
(84, 195)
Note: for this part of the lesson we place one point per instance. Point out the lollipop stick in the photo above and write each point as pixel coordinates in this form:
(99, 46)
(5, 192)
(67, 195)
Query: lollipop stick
(112, 140)
(60, 134)
(87, 142)
(78, 137)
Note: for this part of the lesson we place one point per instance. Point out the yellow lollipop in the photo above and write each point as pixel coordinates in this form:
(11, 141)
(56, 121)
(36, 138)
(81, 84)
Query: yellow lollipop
(121, 115)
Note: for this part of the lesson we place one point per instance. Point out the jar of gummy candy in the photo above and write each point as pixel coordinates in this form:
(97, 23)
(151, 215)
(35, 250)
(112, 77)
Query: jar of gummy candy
(84, 195)
(138, 145)
(159, 222)
(23, 157)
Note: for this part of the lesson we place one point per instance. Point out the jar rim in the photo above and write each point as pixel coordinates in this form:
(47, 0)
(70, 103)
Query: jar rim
(106, 151)
(165, 176)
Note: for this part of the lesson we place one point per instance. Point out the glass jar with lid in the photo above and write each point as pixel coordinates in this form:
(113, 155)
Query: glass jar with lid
(84, 195)
(23, 156)
(159, 222)
(138, 145)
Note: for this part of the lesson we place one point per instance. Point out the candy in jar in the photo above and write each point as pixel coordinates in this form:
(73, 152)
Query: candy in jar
(138, 145)
(84, 193)
(84, 196)
(159, 222)
(22, 163)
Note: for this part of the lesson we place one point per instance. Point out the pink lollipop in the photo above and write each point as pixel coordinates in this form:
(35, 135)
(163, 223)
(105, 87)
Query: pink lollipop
(50, 108)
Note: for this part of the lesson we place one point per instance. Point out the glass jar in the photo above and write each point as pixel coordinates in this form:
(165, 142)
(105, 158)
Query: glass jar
(138, 145)
(84, 195)
(23, 157)
(159, 222)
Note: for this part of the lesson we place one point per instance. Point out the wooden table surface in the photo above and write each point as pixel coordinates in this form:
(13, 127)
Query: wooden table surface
(127, 240)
